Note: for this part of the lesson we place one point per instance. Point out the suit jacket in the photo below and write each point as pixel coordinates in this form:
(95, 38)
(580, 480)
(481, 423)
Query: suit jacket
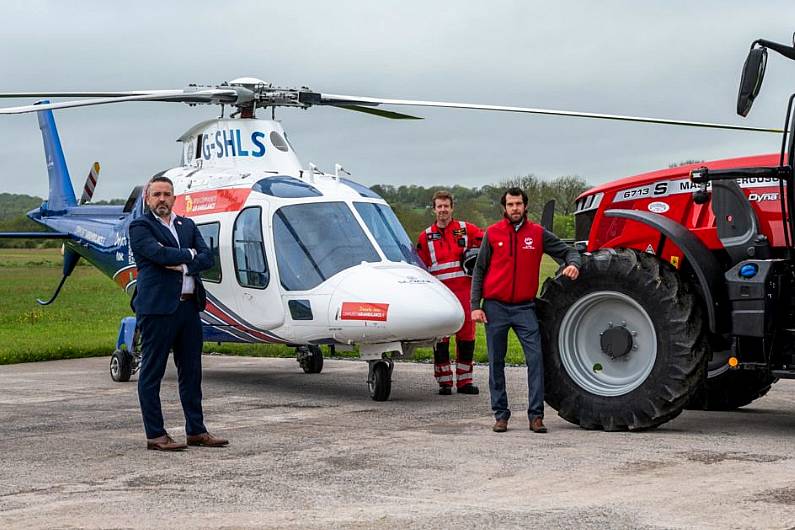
(158, 289)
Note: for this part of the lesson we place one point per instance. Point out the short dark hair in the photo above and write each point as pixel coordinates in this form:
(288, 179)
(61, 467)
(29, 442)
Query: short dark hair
(157, 178)
(160, 178)
(442, 195)
(513, 191)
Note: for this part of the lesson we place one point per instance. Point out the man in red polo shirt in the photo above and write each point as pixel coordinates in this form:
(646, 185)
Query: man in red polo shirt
(506, 278)
(441, 247)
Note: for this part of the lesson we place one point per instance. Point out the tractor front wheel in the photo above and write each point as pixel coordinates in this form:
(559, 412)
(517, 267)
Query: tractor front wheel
(623, 344)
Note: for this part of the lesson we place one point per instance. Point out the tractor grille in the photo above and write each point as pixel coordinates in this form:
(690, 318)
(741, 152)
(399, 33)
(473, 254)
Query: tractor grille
(584, 211)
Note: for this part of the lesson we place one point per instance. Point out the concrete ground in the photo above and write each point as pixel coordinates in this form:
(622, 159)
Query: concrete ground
(313, 451)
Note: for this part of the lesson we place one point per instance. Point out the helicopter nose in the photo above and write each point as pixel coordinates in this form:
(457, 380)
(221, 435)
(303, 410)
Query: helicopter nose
(380, 303)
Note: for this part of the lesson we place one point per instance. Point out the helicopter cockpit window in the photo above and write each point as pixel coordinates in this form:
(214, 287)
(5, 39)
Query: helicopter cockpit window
(364, 191)
(315, 241)
(249, 252)
(210, 233)
(388, 232)
(278, 142)
(286, 188)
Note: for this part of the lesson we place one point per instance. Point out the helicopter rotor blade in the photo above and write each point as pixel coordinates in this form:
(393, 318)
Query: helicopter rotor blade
(266, 96)
(20, 95)
(379, 112)
(211, 95)
(339, 100)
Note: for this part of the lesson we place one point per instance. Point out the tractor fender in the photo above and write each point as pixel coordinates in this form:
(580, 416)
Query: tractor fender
(704, 263)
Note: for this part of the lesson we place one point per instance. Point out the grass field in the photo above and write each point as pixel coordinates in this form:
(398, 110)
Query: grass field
(84, 320)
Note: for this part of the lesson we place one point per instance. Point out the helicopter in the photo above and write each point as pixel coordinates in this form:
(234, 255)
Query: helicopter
(302, 257)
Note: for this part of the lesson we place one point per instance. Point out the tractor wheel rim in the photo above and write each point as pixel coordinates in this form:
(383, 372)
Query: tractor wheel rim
(581, 351)
(114, 366)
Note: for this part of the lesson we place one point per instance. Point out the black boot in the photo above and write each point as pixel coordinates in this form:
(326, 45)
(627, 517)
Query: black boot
(468, 389)
(446, 390)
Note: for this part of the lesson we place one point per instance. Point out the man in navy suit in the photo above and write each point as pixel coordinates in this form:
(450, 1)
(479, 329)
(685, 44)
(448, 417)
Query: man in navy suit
(170, 253)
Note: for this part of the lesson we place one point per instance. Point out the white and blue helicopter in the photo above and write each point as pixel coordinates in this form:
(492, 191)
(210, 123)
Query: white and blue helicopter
(302, 257)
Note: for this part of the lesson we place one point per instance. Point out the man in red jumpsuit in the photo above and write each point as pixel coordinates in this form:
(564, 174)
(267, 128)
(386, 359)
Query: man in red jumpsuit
(441, 247)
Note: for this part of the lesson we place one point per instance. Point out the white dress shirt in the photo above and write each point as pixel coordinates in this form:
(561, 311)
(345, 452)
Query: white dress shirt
(188, 283)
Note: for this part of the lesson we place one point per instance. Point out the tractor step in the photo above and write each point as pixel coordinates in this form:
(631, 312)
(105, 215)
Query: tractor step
(783, 374)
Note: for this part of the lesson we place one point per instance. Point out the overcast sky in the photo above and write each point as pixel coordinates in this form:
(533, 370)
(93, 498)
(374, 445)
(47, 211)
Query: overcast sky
(668, 59)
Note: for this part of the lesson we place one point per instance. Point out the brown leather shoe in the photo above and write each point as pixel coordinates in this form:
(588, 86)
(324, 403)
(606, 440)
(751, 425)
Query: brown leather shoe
(207, 440)
(500, 426)
(537, 425)
(164, 443)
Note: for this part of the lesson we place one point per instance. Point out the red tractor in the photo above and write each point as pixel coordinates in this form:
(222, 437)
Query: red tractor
(685, 295)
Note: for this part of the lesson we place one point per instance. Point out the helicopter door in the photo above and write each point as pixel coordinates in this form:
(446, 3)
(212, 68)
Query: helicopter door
(258, 298)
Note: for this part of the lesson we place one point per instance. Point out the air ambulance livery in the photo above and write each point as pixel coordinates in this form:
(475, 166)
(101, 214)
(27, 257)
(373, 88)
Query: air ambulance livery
(301, 257)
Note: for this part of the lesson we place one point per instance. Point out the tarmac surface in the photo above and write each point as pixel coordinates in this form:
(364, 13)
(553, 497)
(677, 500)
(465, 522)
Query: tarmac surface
(314, 451)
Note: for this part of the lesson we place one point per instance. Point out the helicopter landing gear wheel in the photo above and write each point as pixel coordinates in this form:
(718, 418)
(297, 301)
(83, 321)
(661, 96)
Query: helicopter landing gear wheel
(310, 358)
(379, 379)
(121, 366)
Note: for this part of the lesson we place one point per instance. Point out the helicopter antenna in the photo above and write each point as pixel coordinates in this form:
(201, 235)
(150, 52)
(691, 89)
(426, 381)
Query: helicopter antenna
(339, 169)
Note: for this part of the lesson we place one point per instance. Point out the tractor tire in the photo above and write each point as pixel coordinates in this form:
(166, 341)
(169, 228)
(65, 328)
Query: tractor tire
(724, 389)
(623, 344)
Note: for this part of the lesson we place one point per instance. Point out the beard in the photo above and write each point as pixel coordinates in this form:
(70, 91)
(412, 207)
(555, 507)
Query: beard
(163, 210)
(515, 219)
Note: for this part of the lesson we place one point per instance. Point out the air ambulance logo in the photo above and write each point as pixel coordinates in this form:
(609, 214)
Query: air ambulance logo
(204, 202)
(364, 311)
(528, 244)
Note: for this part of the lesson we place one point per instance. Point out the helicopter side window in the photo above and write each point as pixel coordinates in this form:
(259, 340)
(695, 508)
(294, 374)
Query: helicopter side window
(388, 232)
(315, 241)
(249, 252)
(286, 188)
(210, 233)
(199, 144)
(362, 190)
(278, 142)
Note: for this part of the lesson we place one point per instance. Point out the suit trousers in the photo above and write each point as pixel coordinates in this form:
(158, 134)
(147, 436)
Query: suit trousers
(181, 332)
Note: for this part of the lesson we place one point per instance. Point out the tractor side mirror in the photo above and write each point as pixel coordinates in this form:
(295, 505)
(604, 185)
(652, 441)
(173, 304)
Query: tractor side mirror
(751, 81)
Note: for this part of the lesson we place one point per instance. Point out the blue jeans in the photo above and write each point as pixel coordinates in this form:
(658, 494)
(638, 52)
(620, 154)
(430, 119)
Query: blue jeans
(522, 318)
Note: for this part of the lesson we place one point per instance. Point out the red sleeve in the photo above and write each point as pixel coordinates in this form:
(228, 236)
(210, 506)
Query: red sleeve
(475, 235)
(422, 249)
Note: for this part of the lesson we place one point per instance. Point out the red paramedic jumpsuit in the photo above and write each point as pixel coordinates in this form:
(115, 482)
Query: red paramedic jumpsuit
(442, 250)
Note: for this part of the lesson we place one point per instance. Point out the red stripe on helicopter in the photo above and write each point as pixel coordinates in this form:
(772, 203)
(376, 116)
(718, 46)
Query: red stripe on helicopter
(228, 319)
(364, 311)
(214, 201)
(125, 276)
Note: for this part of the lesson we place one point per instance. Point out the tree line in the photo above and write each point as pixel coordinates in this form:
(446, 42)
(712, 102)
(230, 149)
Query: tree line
(412, 205)
(481, 206)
